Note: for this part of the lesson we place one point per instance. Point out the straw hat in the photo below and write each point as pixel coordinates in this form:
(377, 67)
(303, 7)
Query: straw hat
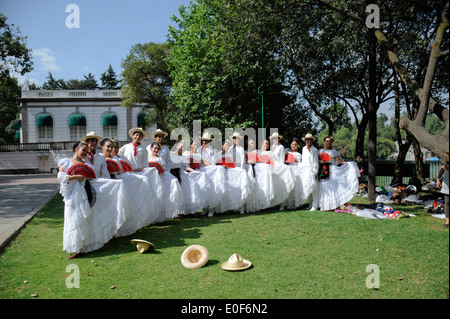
(309, 135)
(138, 129)
(194, 256)
(142, 245)
(207, 137)
(235, 262)
(275, 135)
(91, 135)
(158, 132)
(237, 135)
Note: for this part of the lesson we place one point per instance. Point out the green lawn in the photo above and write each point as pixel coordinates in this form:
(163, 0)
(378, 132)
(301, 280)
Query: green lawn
(295, 254)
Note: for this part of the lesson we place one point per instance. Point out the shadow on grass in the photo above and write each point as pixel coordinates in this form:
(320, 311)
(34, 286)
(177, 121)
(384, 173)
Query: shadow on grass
(171, 233)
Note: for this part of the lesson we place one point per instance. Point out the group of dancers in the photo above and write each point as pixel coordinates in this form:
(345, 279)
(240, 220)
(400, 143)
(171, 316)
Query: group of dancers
(123, 189)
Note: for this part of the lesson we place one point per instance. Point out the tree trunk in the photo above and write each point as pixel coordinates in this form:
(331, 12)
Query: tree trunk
(360, 138)
(403, 148)
(372, 114)
(418, 155)
(398, 169)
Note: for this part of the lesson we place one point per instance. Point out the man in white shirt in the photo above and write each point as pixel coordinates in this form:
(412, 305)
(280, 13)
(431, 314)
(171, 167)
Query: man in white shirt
(310, 157)
(206, 150)
(99, 162)
(136, 153)
(237, 151)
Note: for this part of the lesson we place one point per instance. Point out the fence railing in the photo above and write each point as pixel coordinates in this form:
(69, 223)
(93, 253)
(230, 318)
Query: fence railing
(42, 146)
(385, 170)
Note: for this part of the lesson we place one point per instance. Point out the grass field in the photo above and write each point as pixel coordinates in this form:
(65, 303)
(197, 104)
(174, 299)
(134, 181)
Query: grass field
(295, 254)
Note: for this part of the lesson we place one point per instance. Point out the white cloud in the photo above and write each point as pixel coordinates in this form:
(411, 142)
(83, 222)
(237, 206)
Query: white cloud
(47, 59)
(22, 79)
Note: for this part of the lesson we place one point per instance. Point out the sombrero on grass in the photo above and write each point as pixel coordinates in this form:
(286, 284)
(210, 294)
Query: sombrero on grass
(142, 245)
(235, 263)
(194, 256)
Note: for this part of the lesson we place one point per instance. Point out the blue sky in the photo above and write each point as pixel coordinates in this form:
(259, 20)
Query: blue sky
(107, 31)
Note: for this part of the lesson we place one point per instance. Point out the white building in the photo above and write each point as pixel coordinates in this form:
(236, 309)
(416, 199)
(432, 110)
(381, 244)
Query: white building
(67, 115)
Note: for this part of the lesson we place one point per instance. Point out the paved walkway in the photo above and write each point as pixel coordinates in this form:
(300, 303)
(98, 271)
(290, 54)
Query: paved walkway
(21, 197)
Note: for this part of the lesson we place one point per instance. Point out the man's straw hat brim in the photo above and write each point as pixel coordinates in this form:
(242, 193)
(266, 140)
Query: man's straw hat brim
(138, 129)
(194, 256)
(159, 132)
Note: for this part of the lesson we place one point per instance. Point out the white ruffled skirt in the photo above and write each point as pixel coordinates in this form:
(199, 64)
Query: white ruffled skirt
(263, 191)
(301, 191)
(90, 228)
(217, 179)
(143, 202)
(196, 188)
(173, 199)
(340, 187)
(283, 183)
(237, 190)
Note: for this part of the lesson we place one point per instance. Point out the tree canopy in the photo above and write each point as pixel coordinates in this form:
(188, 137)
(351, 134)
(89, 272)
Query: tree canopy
(15, 57)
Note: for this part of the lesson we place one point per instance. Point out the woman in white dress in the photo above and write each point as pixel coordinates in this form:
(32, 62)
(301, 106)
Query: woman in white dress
(342, 183)
(284, 180)
(293, 159)
(88, 226)
(122, 158)
(215, 173)
(173, 199)
(310, 158)
(196, 187)
(143, 201)
(263, 193)
(237, 183)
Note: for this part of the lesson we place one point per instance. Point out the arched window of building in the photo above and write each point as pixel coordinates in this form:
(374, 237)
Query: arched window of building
(110, 125)
(77, 126)
(44, 124)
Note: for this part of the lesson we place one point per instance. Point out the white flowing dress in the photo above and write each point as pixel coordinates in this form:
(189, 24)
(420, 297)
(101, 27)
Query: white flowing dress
(196, 187)
(298, 196)
(215, 174)
(237, 188)
(144, 202)
(263, 190)
(173, 199)
(90, 228)
(341, 186)
(310, 159)
(283, 179)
